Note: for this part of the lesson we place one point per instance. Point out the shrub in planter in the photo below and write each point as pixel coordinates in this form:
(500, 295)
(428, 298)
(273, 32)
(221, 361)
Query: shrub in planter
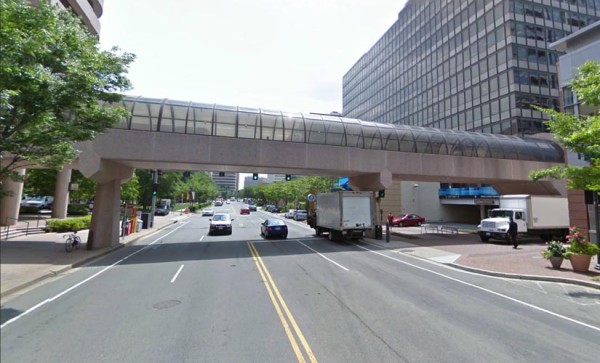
(68, 225)
(77, 210)
(554, 249)
(578, 245)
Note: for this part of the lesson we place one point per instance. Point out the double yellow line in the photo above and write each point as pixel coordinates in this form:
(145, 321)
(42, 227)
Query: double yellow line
(282, 310)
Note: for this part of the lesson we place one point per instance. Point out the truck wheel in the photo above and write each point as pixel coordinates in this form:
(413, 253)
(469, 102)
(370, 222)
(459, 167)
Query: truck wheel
(484, 238)
(334, 236)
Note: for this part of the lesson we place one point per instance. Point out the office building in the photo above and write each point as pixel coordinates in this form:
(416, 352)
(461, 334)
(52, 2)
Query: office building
(579, 47)
(225, 181)
(474, 65)
(89, 11)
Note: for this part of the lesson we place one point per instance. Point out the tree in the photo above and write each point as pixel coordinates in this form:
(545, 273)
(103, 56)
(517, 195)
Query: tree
(578, 133)
(130, 191)
(53, 82)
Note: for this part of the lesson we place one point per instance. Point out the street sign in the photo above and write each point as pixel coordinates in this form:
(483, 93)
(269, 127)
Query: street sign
(311, 198)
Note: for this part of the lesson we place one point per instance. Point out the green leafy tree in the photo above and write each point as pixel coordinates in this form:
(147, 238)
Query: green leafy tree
(580, 134)
(54, 79)
(130, 191)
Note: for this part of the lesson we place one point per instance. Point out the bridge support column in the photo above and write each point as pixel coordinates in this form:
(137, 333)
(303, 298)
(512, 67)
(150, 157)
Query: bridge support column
(372, 182)
(104, 228)
(9, 205)
(61, 194)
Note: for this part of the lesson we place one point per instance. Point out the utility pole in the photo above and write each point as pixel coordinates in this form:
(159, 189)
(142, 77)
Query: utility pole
(154, 184)
(596, 213)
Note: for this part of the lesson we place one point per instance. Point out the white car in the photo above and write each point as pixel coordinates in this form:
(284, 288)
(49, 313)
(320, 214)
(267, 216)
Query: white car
(44, 202)
(208, 212)
(220, 223)
(290, 213)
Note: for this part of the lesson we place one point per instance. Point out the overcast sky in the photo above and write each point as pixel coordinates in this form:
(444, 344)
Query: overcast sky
(277, 54)
(288, 55)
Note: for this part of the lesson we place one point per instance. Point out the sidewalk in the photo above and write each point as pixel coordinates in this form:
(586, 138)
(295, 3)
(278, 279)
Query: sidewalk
(34, 258)
(30, 259)
(497, 258)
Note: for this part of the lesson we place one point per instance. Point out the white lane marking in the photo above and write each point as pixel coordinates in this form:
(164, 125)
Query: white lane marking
(325, 257)
(35, 307)
(535, 307)
(176, 274)
(201, 238)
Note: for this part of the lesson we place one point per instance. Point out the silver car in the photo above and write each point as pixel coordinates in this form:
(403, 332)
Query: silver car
(300, 215)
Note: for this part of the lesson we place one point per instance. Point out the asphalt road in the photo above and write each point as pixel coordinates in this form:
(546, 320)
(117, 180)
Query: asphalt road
(183, 296)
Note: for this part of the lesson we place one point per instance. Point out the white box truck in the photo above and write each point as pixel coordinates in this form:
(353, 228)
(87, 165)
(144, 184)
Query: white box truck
(541, 215)
(343, 214)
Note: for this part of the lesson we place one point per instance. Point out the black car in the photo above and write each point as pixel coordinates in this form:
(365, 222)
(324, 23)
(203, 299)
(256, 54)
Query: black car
(252, 207)
(273, 227)
(272, 209)
(220, 223)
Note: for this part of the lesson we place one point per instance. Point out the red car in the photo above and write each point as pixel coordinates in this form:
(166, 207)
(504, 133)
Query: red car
(408, 219)
(245, 210)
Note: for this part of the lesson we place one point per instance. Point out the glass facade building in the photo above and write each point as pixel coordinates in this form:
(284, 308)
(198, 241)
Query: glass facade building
(471, 65)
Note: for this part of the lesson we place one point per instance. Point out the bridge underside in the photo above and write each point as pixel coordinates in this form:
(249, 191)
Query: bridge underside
(168, 151)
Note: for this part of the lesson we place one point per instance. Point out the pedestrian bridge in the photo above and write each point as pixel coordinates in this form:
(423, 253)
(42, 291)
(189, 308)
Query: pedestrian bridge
(175, 135)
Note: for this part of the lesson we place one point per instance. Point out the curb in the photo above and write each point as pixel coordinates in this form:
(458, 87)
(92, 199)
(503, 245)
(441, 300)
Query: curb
(590, 284)
(526, 277)
(82, 262)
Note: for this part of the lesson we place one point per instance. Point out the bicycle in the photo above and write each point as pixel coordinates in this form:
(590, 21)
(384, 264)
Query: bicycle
(73, 241)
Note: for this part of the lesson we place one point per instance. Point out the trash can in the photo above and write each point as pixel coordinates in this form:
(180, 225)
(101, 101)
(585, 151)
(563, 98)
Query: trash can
(139, 225)
(378, 232)
(146, 220)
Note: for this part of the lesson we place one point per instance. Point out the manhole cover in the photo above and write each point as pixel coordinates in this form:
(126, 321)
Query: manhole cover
(166, 304)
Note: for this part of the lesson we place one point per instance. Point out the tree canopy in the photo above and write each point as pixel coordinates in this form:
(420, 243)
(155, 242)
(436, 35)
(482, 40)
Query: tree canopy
(579, 133)
(53, 81)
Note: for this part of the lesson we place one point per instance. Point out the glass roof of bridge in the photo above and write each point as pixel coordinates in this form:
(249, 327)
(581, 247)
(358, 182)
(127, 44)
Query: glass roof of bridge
(164, 115)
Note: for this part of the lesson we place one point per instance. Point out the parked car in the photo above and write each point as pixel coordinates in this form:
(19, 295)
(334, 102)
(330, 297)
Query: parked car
(252, 207)
(44, 202)
(273, 227)
(290, 213)
(272, 209)
(208, 212)
(220, 223)
(162, 210)
(409, 219)
(245, 210)
(300, 215)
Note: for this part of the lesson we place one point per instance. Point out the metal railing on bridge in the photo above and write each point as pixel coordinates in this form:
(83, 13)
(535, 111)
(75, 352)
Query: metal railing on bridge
(164, 115)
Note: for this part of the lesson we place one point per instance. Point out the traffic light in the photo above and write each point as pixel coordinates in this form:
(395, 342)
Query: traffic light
(381, 194)
(255, 176)
(154, 189)
(288, 177)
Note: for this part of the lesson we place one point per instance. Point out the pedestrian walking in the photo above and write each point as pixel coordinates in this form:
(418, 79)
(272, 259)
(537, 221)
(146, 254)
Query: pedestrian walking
(512, 231)
(390, 218)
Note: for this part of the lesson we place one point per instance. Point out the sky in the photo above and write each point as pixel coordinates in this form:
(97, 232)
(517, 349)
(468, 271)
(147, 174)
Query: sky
(288, 55)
